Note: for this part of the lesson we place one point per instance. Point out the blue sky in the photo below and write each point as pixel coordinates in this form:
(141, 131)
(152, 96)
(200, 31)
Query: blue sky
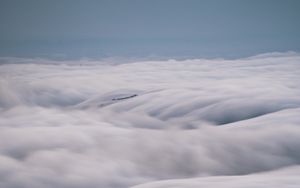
(153, 28)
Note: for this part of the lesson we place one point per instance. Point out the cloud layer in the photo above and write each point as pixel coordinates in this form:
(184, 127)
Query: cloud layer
(97, 124)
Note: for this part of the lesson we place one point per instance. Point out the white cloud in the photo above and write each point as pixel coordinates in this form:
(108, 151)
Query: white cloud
(80, 124)
(282, 178)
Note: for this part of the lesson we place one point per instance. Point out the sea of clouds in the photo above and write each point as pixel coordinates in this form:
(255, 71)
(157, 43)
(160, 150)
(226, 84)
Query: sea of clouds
(150, 124)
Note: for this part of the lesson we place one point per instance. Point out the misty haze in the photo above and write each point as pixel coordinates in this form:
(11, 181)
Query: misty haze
(149, 94)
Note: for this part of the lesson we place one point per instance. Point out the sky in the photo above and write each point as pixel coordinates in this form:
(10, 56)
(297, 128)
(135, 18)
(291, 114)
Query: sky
(154, 28)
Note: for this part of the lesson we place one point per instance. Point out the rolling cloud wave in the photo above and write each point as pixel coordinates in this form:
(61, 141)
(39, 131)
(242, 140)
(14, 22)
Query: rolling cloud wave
(96, 124)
